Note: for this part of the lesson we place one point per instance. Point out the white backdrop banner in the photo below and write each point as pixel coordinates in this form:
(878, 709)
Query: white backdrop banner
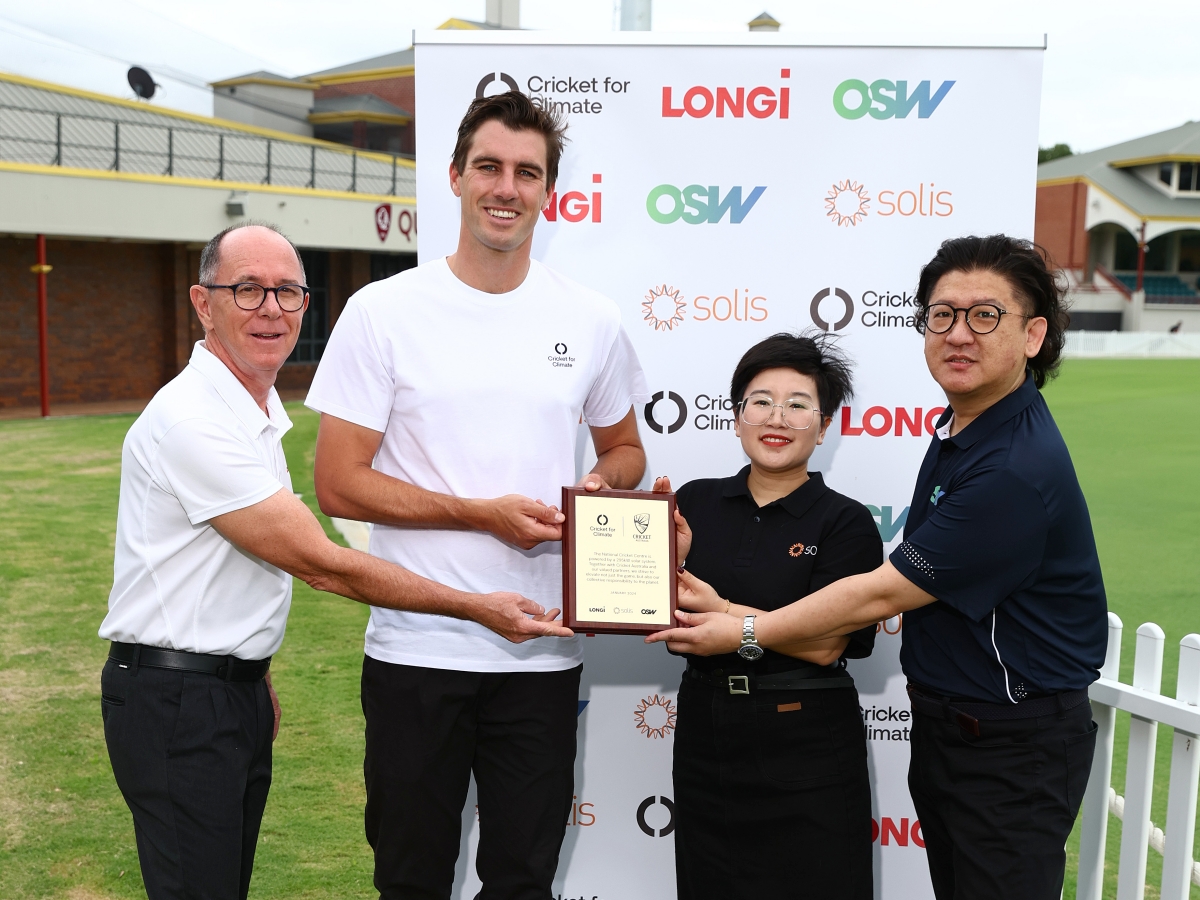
(720, 192)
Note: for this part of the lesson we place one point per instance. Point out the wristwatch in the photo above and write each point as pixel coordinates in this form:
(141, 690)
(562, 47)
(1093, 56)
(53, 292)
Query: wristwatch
(749, 649)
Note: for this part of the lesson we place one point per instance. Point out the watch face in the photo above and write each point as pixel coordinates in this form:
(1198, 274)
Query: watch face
(750, 652)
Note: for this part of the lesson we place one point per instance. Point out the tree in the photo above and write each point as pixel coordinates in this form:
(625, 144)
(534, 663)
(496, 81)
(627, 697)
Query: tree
(1045, 154)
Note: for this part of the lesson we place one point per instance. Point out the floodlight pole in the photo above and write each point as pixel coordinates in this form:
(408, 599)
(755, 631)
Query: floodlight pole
(43, 361)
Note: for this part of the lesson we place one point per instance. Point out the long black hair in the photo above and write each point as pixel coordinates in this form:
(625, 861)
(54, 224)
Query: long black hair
(1027, 268)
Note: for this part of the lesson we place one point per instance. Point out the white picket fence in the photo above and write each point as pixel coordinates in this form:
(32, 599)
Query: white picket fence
(1148, 707)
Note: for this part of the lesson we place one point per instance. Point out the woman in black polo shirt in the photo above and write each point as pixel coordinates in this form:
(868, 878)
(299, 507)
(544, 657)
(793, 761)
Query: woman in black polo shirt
(772, 797)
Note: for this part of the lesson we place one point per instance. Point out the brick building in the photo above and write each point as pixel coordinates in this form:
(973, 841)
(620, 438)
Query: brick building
(126, 194)
(1123, 222)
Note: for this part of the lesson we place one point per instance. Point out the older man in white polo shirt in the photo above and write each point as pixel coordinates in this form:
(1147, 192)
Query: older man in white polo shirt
(209, 535)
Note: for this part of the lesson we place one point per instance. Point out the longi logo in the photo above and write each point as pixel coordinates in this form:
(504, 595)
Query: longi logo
(759, 102)
(877, 421)
(847, 312)
(645, 826)
(574, 206)
(680, 406)
(697, 204)
(883, 99)
(886, 830)
(507, 83)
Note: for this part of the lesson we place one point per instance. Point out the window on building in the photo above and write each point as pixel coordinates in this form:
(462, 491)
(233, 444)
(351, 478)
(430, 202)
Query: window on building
(1189, 177)
(385, 265)
(1165, 171)
(314, 332)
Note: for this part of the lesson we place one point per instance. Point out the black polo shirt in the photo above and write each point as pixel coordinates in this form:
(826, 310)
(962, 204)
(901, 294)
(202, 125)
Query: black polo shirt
(999, 532)
(767, 557)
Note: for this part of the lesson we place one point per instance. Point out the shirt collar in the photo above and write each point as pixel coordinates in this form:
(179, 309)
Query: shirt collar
(993, 417)
(798, 502)
(237, 398)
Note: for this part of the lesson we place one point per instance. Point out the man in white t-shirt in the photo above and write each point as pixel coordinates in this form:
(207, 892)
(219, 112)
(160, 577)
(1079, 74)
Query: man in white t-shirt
(450, 397)
(208, 537)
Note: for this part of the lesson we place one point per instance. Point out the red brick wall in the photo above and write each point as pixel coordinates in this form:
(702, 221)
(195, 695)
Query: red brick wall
(120, 321)
(1059, 223)
(105, 321)
(396, 91)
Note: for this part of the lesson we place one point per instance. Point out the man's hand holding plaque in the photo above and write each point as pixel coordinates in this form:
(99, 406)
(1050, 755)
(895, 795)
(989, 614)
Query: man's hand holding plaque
(619, 561)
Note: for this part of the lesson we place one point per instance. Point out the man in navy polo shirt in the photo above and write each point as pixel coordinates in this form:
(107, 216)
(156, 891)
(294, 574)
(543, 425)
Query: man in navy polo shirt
(999, 577)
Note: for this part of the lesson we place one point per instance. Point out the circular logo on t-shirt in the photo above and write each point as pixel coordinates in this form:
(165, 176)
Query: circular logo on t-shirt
(560, 348)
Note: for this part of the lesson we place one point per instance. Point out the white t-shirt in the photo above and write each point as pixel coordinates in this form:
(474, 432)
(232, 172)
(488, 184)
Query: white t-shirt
(477, 395)
(201, 448)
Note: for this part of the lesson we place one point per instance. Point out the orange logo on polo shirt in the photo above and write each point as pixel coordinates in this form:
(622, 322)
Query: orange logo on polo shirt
(802, 550)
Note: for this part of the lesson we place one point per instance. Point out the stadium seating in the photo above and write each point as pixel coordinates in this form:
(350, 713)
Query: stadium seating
(1162, 288)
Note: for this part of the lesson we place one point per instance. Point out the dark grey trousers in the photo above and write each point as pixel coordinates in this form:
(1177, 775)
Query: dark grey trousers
(192, 756)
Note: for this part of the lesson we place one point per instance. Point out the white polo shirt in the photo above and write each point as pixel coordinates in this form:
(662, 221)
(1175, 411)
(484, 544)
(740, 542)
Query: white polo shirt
(201, 448)
(477, 395)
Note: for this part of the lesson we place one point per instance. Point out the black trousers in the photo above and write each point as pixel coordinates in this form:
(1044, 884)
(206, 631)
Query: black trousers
(772, 795)
(427, 731)
(192, 756)
(996, 809)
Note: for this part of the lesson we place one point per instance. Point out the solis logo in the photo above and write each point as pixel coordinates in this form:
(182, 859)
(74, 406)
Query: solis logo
(883, 99)
(581, 813)
(655, 716)
(574, 206)
(878, 421)
(848, 202)
(665, 307)
(760, 102)
(699, 205)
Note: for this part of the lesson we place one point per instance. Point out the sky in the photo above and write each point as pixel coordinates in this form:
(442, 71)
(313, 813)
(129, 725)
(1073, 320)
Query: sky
(1113, 70)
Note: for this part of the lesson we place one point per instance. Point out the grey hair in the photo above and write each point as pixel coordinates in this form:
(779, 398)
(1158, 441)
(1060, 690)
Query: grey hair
(210, 256)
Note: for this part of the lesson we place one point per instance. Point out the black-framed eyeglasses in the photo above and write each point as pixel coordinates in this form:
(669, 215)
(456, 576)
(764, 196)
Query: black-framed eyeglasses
(250, 296)
(982, 318)
(797, 414)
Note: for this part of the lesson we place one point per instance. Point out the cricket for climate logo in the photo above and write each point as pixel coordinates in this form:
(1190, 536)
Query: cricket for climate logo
(699, 205)
(883, 99)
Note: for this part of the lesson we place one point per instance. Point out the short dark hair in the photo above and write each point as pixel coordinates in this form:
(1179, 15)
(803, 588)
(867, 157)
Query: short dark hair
(1028, 268)
(210, 256)
(516, 112)
(814, 355)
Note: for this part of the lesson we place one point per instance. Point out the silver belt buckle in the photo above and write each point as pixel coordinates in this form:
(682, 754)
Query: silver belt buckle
(739, 684)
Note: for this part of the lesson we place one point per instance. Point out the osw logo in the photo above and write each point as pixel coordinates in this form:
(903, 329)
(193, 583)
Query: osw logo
(574, 206)
(883, 99)
(699, 102)
(700, 205)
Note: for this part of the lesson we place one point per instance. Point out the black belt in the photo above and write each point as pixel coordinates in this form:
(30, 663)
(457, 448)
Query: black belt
(968, 714)
(806, 679)
(228, 667)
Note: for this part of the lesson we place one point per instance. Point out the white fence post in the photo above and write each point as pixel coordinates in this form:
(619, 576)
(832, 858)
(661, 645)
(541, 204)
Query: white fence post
(1139, 774)
(1094, 830)
(1185, 778)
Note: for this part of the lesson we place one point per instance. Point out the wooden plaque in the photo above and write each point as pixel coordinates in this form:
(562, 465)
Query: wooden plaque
(618, 561)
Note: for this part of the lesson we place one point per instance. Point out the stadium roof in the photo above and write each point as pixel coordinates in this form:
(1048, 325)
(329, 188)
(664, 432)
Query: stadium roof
(1111, 170)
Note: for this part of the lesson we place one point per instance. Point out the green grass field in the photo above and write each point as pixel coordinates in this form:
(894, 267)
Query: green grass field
(1133, 428)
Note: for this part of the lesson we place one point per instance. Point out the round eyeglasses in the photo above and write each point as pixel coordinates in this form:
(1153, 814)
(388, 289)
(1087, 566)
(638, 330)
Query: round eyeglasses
(982, 318)
(250, 296)
(797, 414)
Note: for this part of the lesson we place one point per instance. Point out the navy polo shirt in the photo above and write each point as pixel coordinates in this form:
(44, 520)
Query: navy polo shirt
(998, 531)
